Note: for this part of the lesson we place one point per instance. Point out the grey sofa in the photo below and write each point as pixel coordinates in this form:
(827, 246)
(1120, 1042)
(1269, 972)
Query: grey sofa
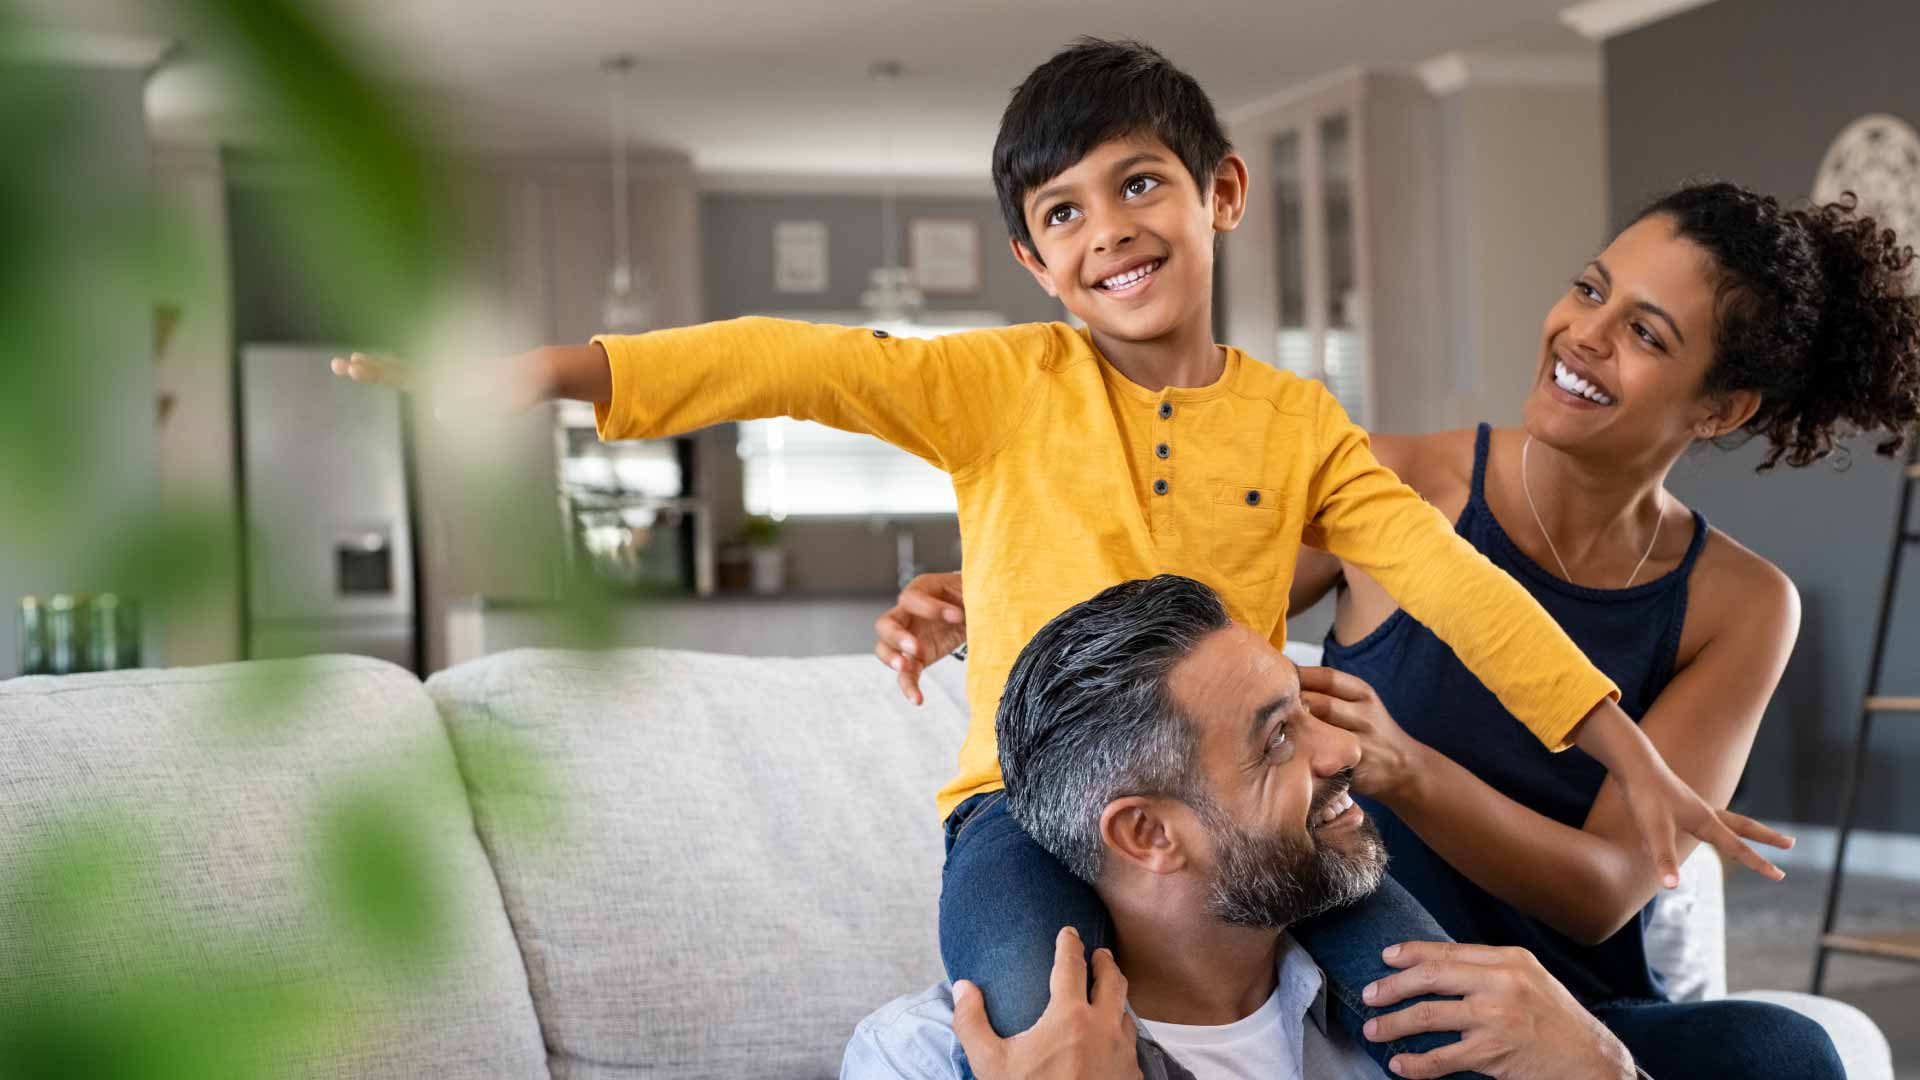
(639, 863)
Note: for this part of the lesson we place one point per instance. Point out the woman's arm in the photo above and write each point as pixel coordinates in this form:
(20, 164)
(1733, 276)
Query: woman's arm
(1315, 574)
(1588, 882)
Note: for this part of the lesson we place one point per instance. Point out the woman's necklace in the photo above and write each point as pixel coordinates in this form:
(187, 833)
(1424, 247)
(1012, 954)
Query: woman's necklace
(1528, 445)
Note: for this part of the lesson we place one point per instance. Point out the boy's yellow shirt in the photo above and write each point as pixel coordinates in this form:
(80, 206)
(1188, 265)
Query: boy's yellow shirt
(1071, 478)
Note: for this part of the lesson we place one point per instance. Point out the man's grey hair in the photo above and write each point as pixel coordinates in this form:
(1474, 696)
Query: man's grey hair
(1087, 716)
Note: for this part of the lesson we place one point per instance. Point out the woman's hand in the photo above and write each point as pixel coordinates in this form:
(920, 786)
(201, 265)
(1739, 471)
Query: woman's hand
(928, 622)
(1389, 757)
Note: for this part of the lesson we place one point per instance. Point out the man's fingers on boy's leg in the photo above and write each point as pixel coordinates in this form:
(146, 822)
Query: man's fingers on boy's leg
(909, 680)
(1068, 982)
(1109, 985)
(1419, 1017)
(970, 1025)
(1444, 1061)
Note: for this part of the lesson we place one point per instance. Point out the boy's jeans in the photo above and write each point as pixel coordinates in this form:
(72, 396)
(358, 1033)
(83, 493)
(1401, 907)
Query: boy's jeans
(1003, 900)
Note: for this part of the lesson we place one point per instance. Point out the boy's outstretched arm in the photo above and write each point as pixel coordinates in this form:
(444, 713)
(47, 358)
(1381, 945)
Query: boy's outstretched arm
(509, 384)
(1360, 511)
(950, 400)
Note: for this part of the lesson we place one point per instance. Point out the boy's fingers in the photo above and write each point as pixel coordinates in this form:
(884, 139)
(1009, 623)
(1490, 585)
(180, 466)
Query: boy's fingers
(1756, 830)
(1658, 835)
(1068, 982)
(1109, 985)
(909, 680)
(970, 1024)
(928, 606)
(1731, 845)
(1335, 684)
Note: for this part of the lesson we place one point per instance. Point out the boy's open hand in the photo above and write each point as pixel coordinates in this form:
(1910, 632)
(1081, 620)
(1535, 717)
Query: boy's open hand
(1663, 805)
(928, 622)
(1075, 1038)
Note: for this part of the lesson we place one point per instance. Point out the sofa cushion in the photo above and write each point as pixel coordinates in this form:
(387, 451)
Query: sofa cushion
(248, 869)
(747, 856)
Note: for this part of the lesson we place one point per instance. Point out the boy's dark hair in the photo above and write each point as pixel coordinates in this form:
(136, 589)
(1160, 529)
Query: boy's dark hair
(1087, 716)
(1092, 92)
(1816, 312)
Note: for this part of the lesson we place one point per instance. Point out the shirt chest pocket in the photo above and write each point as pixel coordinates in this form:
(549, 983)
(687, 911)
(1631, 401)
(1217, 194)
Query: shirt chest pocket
(1246, 543)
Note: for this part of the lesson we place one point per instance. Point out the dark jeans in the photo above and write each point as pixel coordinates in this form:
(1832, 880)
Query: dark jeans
(1004, 898)
(1722, 1040)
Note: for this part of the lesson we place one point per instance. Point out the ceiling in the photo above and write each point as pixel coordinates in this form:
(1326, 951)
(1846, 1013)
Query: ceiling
(782, 86)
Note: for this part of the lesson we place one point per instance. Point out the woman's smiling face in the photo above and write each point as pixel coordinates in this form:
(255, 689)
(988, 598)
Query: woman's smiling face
(1125, 237)
(1626, 351)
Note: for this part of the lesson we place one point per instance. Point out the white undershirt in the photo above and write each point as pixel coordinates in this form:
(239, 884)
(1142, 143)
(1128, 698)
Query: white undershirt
(1254, 1047)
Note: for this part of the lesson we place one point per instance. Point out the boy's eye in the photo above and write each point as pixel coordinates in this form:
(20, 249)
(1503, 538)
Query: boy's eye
(1646, 335)
(1062, 214)
(1584, 289)
(1137, 186)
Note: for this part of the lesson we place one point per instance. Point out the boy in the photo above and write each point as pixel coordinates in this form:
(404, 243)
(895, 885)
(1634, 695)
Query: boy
(1131, 448)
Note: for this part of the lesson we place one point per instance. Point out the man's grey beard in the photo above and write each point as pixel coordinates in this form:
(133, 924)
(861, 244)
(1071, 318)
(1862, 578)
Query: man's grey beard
(1271, 880)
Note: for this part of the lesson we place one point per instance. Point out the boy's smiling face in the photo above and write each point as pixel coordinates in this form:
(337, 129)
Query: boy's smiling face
(1125, 237)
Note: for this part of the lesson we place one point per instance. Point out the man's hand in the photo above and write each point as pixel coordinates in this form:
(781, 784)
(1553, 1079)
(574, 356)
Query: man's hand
(1389, 757)
(928, 622)
(1074, 1040)
(1516, 1022)
(1665, 806)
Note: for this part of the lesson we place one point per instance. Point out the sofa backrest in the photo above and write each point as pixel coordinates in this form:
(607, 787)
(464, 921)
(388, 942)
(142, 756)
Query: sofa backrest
(744, 860)
(248, 869)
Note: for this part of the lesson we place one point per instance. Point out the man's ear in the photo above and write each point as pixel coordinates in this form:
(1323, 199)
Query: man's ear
(1728, 414)
(1229, 194)
(1026, 257)
(1140, 830)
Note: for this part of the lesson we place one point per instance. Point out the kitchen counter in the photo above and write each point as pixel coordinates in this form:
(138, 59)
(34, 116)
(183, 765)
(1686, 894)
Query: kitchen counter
(744, 624)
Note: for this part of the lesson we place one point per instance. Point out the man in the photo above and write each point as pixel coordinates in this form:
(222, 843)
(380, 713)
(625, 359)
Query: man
(1162, 752)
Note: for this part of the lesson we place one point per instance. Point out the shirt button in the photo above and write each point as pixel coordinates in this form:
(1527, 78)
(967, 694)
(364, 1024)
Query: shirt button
(879, 333)
(1166, 410)
(1162, 450)
(1159, 487)
(1253, 497)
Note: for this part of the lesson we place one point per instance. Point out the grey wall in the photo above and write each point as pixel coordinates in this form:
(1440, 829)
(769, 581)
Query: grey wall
(736, 236)
(1754, 91)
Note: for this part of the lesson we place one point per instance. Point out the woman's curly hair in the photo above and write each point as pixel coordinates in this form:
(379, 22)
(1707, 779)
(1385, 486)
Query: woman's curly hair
(1816, 314)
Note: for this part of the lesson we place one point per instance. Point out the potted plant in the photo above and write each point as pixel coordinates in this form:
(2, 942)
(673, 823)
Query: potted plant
(765, 556)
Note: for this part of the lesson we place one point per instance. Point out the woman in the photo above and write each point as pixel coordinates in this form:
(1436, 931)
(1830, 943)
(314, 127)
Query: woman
(1716, 314)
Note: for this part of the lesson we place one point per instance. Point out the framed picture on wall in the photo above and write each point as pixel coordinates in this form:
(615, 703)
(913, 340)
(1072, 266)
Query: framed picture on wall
(944, 254)
(800, 257)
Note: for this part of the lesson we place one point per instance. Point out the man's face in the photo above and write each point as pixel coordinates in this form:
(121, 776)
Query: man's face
(1125, 238)
(1286, 840)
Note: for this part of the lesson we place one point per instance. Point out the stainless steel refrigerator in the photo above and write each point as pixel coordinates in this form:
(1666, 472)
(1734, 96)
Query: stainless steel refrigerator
(329, 537)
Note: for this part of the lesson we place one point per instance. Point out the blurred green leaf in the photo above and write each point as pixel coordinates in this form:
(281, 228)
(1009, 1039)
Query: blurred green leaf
(367, 230)
(382, 876)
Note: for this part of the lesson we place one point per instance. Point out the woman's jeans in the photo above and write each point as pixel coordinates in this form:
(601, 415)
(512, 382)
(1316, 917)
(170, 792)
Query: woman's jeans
(1004, 898)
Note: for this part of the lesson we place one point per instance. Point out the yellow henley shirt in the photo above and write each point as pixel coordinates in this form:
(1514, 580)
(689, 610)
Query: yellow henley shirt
(1071, 478)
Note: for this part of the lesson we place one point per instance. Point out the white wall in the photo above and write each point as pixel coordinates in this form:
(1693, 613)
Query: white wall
(193, 375)
(1527, 209)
